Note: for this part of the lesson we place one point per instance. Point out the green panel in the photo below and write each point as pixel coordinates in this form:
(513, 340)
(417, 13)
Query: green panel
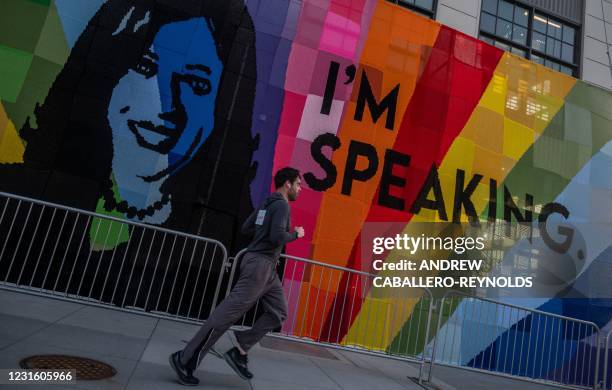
(42, 2)
(594, 99)
(52, 44)
(14, 65)
(35, 88)
(110, 233)
(578, 124)
(410, 340)
(602, 131)
(599, 103)
(556, 127)
(21, 22)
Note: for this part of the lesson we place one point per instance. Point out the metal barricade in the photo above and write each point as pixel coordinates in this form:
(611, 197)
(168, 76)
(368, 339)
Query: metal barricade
(606, 382)
(67, 253)
(323, 301)
(516, 342)
(70, 254)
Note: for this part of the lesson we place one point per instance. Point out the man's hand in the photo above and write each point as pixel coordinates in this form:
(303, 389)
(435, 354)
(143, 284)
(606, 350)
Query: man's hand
(300, 231)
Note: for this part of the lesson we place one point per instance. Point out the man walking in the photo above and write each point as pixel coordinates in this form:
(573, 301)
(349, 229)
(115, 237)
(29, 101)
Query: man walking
(258, 279)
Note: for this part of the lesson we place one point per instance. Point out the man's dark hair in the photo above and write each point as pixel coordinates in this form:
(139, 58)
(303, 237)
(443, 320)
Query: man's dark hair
(284, 174)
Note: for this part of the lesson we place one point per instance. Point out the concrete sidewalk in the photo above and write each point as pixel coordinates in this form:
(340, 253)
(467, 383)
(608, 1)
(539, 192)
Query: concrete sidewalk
(138, 347)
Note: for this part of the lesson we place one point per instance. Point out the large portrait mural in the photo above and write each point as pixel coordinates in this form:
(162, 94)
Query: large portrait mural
(176, 114)
(141, 116)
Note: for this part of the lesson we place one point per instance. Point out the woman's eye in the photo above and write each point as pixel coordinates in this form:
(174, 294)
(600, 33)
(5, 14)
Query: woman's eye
(146, 67)
(200, 86)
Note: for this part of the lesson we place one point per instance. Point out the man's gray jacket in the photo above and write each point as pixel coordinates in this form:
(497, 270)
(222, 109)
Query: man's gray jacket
(269, 225)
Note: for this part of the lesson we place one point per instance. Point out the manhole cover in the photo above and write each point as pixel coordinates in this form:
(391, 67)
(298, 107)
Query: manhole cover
(86, 369)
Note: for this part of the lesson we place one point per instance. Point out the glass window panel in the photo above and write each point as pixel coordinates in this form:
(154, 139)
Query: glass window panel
(550, 46)
(568, 34)
(567, 70)
(557, 51)
(519, 52)
(567, 53)
(539, 23)
(519, 34)
(427, 4)
(552, 65)
(521, 16)
(486, 39)
(538, 42)
(502, 45)
(554, 29)
(490, 6)
(503, 29)
(505, 10)
(487, 23)
(537, 59)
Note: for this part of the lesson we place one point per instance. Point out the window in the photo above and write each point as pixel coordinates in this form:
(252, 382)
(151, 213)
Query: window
(553, 38)
(425, 7)
(503, 46)
(526, 32)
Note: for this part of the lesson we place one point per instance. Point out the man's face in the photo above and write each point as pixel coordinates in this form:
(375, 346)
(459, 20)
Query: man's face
(294, 189)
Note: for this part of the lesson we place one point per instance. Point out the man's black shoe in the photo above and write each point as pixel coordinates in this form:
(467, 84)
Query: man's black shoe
(238, 362)
(185, 375)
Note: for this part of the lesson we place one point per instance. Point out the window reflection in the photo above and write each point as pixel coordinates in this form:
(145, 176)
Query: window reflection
(425, 7)
(506, 25)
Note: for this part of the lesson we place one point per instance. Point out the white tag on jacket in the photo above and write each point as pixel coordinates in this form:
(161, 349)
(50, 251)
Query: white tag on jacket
(260, 217)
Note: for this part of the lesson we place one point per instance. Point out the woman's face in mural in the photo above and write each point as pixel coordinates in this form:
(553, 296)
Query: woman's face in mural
(162, 110)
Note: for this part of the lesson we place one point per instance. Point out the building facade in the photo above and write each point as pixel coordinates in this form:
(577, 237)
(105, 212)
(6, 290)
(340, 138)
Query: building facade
(572, 36)
(177, 114)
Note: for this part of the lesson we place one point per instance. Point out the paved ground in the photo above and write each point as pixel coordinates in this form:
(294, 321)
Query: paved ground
(138, 348)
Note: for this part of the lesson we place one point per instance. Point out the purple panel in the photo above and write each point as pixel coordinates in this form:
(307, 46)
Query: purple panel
(272, 20)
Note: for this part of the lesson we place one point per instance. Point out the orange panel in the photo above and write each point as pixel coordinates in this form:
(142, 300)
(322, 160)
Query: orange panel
(393, 54)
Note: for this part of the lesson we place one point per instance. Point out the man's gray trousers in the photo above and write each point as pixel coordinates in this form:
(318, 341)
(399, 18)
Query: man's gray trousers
(258, 279)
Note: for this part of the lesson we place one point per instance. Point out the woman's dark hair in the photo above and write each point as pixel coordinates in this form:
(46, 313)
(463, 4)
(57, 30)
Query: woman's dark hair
(284, 174)
(72, 141)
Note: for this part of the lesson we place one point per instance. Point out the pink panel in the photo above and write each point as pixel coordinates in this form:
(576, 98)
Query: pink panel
(313, 123)
(300, 68)
(309, 200)
(291, 286)
(304, 213)
(311, 23)
(303, 160)
(284, 150)
(340, 35)
(292, 114)
(318, 84)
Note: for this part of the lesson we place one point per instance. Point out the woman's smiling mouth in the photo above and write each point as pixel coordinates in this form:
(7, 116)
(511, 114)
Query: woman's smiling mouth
(157, 138)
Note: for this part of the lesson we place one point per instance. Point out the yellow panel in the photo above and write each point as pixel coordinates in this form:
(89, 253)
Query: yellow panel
(494, 97)
(527, 93)
(11, 147)
(517, 139)
(3, 120)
